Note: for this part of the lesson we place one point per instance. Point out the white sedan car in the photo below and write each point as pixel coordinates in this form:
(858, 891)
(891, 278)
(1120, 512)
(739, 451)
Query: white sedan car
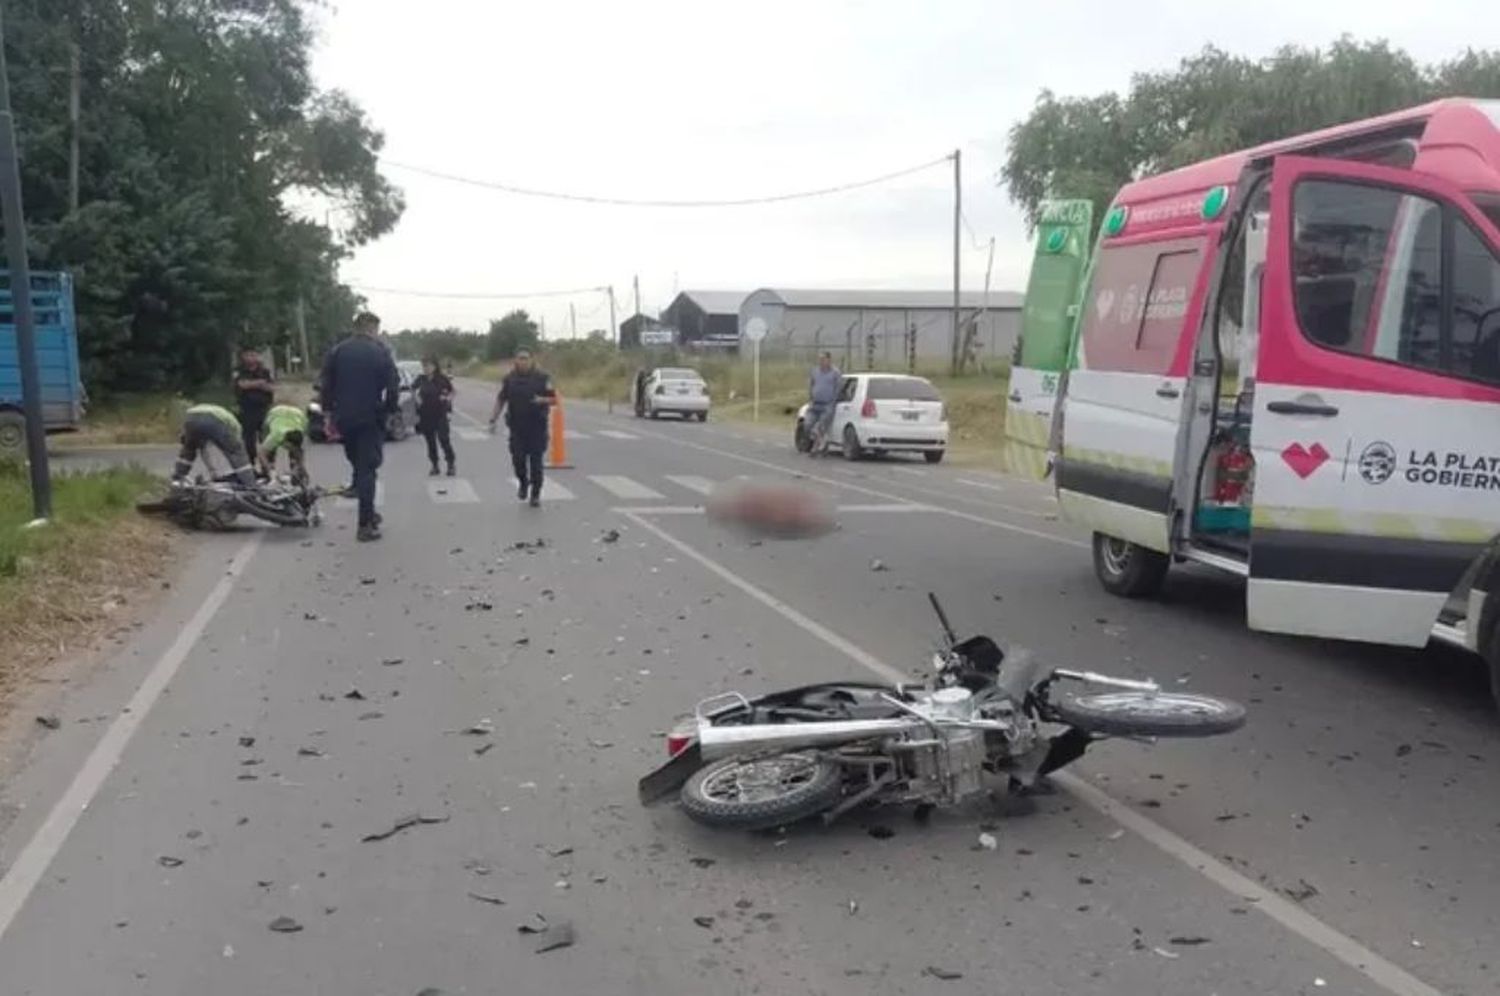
(674, 391)
(884, 413)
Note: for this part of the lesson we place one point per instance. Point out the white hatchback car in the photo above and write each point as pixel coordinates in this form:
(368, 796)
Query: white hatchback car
(884, 413)
(673, 390)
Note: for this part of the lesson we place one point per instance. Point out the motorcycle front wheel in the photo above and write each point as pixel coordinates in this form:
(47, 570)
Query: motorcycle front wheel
(276, 512)
(1164, 714)
(763, 792)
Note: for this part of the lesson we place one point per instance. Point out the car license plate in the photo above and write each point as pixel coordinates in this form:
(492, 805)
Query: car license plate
(911, 416)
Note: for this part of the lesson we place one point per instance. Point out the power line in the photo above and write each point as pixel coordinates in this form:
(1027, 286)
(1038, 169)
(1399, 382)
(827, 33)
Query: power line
(634, 202)
(474, 296)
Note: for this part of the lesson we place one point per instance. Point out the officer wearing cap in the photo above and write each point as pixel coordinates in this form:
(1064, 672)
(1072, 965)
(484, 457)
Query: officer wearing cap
(525, 396)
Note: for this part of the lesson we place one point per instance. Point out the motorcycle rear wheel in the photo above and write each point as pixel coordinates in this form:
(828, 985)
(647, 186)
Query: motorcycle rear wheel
(1165, 714)
(276, 512)
(763, 792)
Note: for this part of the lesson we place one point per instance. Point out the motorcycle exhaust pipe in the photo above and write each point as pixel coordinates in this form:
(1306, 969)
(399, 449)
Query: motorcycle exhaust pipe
(723, 741)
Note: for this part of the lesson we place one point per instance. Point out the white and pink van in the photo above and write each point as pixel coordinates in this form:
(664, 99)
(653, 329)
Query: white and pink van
(1287, 366)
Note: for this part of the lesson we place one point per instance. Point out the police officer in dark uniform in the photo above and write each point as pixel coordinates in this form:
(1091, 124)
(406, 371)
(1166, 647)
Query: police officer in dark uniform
(254, 393)
(360, 391)
(526, 395)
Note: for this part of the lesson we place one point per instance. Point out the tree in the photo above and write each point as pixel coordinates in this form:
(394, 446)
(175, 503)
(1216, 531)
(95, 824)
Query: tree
(507, 335)
(199, 124)
(457, 345)
(1215, 103)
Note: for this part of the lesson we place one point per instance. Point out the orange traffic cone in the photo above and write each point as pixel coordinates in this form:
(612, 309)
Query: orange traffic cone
(557, 451)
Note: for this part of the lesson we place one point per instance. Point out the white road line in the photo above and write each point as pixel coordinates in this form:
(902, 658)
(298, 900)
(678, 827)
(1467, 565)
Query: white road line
(980, 484)
(872, 492)
(574, 434)
(470, 434)
(702, 485)
(624, 487)
(22, 876)
(553, 491)
(910, 471)
(452, 491)
(1386, 974)
(616, 434)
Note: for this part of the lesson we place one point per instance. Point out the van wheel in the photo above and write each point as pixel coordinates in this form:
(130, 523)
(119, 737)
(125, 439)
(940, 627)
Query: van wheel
(1128, 569)
(1491, 650)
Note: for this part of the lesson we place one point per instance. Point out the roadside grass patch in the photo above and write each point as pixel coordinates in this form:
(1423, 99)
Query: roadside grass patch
(64, 583)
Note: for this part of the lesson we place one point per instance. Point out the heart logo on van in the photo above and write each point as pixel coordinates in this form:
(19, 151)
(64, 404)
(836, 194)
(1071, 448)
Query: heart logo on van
(1304, 461)
(1105, 302)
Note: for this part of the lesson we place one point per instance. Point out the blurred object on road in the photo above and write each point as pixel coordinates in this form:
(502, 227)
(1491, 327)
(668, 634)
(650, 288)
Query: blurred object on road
(775, 509)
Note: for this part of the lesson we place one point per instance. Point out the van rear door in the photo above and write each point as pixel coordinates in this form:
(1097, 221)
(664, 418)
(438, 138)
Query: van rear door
(1376, 429)
(1122, 410)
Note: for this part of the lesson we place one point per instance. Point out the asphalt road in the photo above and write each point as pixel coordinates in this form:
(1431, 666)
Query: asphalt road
(219, 774)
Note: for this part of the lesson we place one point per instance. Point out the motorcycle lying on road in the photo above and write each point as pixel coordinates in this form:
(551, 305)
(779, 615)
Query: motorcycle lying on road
(755, 764)
(216, 504)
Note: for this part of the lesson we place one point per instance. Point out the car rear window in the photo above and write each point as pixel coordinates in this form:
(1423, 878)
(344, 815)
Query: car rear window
(901, 389)
(667, 373)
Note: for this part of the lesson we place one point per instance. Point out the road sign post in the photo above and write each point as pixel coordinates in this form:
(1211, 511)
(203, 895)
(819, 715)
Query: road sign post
(755, 331)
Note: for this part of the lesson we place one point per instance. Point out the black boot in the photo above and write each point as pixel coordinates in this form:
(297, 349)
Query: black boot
(433, 472)
(451, 470)
(523, 491)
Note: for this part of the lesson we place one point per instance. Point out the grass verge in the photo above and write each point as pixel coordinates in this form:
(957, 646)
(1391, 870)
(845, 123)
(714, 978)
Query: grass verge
(156, 418)
(976, 402)
(64, 584)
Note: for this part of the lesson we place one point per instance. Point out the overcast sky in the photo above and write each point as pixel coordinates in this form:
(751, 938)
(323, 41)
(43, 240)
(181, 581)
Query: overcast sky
(706, 99)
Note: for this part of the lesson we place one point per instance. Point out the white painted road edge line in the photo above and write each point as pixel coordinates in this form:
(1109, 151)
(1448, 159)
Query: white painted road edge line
(32, 862)
(1386, 974)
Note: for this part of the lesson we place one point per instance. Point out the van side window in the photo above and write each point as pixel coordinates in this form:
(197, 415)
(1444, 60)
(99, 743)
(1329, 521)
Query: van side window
(1475, 348)
(1137, 305)
(1369, 267)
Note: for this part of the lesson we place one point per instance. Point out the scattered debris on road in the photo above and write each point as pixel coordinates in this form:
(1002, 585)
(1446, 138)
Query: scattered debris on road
(1301, 892)
(355, 694)
(167, 861)
(285, 925)
(484, 749)
(942, 974)
(309, 752)
(881, 832)
(1187, 942)
(391, 661)
(1169, 955)
(557, 935)
(988, 841)
(878, 566)
(706, 922)
(405, 823)
(479, 605)
(704, 862)
(483, 728)
(247, 742)
(610, 536)
(492, 900)
(50, 722)
(367, 580)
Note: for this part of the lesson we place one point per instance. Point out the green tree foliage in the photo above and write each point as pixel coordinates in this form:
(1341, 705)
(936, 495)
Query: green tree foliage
(199, 127)
(507, 335)
(1215, 103)
(457, 345)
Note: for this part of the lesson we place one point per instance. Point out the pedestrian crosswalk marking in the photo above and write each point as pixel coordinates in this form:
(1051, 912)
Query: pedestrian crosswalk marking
(470, 435)
(616, 434)
(452, 490)
(574, 434)
(552, 491)
(702, 485)
(624, 487)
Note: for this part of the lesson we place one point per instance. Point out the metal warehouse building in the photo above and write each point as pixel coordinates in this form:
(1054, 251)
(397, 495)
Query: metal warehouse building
(882, 328)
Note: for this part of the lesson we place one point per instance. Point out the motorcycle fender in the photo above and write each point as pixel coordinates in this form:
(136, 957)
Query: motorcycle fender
(670, 777)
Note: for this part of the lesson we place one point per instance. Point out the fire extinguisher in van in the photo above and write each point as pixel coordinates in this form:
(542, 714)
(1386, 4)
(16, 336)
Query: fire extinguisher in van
(1232, 472)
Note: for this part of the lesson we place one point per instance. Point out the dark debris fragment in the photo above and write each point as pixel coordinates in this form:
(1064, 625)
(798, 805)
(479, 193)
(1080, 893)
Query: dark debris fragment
(285, 925)
(405, 823)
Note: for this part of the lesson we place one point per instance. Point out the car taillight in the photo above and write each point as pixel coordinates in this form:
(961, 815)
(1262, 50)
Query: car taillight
(867, 410)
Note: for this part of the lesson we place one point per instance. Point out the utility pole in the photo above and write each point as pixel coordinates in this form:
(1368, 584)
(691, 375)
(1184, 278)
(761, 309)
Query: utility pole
(636, 281)
(958, 215)
(572, 321)
(75, 86)
(302, 332)
(20, 293)
(614, 330)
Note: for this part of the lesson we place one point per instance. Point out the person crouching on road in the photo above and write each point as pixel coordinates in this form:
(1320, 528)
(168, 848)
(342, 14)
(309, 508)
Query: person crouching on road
(286, 427)
(434, 393)
(525, 396)
(211, 425)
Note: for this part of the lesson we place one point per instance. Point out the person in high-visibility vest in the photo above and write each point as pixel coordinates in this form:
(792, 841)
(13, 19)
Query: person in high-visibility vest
(212, 425)
(286, 427)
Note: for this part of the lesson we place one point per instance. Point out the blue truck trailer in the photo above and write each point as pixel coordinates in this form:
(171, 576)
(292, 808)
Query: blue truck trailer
(57, 360)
